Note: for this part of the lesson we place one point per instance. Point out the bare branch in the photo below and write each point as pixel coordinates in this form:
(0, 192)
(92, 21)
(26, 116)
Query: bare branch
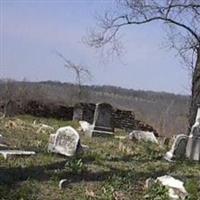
(80, 71)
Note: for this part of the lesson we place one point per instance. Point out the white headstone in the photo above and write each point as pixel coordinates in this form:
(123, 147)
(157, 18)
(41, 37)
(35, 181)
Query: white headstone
(66, 141)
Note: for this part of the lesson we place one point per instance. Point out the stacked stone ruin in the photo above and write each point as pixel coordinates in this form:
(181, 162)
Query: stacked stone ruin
(122, 119)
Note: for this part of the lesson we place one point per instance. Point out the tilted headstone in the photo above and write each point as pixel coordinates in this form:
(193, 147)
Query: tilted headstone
(178, 148)
(103, 121)
(193, 144)
(66, 141)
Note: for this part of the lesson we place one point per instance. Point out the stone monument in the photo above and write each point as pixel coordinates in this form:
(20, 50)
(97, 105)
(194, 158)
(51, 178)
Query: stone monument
(65, 141)
(103, 121)
(193, 144)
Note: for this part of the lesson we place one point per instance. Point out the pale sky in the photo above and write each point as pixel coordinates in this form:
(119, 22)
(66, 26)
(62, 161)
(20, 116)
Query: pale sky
(31, 31)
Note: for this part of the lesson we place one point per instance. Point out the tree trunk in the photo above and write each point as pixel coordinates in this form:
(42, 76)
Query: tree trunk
(195, 99)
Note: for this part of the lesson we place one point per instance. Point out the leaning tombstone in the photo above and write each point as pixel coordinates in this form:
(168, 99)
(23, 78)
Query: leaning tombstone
(66, 141)
(178, 148)
(103, 121)
(193, 144)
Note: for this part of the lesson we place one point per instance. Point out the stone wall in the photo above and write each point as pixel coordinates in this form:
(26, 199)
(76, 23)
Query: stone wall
(38, 109)
(48, 110)
(124, 119)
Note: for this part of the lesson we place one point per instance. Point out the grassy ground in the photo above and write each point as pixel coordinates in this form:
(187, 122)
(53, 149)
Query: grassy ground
(111, 169)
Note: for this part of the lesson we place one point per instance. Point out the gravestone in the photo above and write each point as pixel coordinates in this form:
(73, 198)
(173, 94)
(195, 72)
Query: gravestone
(178, 148)
(103, 121)
(66, 141)
(193, 144)
(84, 112)
(10, 108)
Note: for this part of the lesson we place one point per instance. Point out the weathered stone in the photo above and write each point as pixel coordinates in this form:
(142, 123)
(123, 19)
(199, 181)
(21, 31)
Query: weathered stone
(103, 121)
(193, 148)
(8, 153)
(63, 183)
(193, 144)
(176, 189)
(143, 135)
(66, 141)
(85, 126)
(3, 144)
(84, 112)
(178, 148)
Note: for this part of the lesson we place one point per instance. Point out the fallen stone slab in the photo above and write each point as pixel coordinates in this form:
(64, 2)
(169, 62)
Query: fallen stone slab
(8, 153)
(176, 189)
(143, 135)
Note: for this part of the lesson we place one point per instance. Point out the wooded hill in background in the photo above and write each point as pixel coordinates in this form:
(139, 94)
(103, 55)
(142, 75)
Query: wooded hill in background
(166, 112)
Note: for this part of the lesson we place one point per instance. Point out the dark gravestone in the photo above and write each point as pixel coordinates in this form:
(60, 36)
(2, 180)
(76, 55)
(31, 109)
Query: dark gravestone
(103, 120)
(178, 148)
(84, 112)
(10, 108)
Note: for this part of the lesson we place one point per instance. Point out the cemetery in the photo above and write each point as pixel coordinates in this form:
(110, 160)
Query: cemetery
(100, 100)
(97, 160)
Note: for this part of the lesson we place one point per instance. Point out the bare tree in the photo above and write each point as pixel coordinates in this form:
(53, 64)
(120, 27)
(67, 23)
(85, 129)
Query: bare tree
(182, 17)
(81, 73)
